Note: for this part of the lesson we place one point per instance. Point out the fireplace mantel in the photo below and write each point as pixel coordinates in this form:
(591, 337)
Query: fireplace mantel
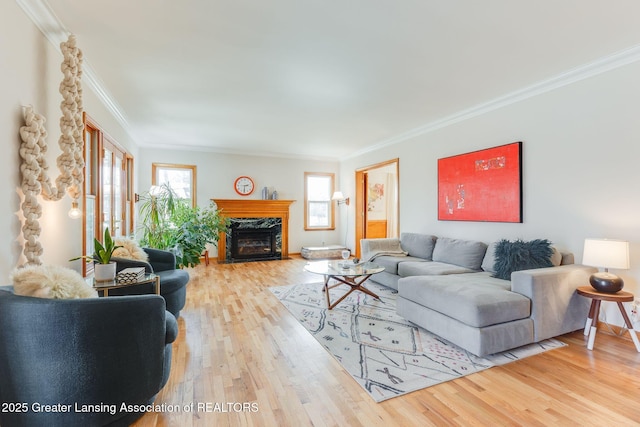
(242, 208)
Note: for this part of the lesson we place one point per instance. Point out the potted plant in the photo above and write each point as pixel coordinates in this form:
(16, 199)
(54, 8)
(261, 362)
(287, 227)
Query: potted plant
(156, 213)
(170, 223)
(104, 268)
(195, 228)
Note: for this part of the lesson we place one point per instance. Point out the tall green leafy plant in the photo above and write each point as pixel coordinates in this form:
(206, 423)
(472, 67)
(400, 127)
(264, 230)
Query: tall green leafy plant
(197, 227)
(170, 223)
(156, 213)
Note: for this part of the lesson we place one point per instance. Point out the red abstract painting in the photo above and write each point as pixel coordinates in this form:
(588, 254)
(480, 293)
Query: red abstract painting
(484, 185)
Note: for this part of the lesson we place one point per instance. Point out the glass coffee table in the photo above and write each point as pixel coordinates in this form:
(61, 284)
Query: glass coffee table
(344, 272)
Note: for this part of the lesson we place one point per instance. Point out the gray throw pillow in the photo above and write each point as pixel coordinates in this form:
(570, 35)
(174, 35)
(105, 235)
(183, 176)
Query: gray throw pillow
(418, 245)
(521, 255)
(465, 253)
(489, 260)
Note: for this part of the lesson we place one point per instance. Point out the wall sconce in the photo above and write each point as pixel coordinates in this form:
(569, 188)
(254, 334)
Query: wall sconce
(339, 197)
(606, 253)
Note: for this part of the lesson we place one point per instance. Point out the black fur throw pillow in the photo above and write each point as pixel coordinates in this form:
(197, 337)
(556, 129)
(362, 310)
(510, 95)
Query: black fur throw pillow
(521, 255)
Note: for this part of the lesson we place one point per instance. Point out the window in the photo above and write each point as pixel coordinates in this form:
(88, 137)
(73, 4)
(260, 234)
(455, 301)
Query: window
(107, 201)
(318, 206)
(181, 178)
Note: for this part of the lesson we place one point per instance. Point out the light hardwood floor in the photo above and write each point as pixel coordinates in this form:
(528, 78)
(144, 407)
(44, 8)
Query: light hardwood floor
(246, 361)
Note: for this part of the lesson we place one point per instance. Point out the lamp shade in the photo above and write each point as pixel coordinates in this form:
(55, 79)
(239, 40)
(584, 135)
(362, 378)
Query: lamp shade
(606, 253)
(337, 196)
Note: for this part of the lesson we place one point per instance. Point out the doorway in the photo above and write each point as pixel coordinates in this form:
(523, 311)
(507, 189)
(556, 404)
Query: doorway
(377, 202)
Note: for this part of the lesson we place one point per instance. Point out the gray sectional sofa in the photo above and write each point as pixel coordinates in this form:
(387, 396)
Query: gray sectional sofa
(447, 286)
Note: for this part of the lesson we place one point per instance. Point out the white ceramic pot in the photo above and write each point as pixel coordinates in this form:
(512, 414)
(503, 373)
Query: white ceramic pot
(104, 272)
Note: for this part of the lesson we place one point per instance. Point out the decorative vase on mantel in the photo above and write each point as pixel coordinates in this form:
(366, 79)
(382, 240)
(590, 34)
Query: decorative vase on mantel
(104, 272)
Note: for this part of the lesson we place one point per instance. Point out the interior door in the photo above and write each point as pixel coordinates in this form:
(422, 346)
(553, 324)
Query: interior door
(377, 202)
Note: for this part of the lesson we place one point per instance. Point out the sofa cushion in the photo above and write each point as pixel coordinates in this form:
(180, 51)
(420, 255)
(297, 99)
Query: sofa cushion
(521, 255)
(390, 263)
(475, 299)
(465, 253)
(418, 245)
(429, 268)
(556, 257)
(489, 261)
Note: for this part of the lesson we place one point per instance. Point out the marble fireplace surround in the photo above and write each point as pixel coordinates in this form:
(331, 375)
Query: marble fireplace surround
(249, 208)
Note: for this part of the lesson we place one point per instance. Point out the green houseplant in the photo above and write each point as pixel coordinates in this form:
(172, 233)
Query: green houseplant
(170, 223)
(156, 213)
(195, 228)
(104, 269)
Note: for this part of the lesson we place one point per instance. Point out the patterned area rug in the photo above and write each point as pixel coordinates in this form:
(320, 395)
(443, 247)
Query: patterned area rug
(387, 355)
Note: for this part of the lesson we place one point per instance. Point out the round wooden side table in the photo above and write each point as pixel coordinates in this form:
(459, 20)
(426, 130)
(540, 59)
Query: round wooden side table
(592, 321)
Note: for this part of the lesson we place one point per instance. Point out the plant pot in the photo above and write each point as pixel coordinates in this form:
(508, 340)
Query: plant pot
(104, 272)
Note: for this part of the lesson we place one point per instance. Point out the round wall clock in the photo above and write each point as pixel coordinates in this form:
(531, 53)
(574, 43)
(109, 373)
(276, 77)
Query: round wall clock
(244, 185)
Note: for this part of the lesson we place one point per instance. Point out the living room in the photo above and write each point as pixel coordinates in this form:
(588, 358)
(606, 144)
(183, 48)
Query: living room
(577, 125)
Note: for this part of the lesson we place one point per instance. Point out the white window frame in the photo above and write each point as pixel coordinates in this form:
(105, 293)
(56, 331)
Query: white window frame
(330, 225)
(157, 168)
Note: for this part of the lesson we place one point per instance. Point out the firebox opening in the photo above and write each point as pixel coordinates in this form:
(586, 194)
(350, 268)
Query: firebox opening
(253, 243)
(250, 240)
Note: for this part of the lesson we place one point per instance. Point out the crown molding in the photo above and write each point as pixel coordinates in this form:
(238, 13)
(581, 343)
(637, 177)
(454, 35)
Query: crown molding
(48, 23)
(233, 152)
(52, 28)
(602, 65)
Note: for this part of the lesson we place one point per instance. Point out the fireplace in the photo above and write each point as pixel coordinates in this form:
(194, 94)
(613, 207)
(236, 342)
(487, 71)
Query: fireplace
(248, 244)
(248, 214)
(253, 239)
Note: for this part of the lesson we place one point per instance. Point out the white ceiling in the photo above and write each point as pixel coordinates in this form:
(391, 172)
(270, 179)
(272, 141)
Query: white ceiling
(327, 78)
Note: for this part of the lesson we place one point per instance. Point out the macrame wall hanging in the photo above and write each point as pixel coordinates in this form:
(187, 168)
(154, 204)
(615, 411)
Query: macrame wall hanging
(34, 168)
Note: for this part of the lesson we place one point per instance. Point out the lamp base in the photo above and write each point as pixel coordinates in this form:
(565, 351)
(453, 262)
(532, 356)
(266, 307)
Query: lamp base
(606, 282)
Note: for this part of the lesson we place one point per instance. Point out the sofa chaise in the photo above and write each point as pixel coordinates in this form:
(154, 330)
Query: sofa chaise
(447, 286)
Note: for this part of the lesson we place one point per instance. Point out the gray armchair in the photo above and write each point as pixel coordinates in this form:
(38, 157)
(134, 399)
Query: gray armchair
(173, 282)
(69, 353)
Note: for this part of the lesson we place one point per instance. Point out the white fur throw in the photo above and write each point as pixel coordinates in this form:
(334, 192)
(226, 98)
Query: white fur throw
(129, 250)
(51, 282)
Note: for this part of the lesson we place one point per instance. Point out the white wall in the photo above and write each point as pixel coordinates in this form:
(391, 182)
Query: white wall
(216, 174)
(580, 168)
(580, 155)
(30, 75)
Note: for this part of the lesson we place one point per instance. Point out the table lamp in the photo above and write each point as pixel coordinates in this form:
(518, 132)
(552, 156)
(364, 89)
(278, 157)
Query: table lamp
(606, 253)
